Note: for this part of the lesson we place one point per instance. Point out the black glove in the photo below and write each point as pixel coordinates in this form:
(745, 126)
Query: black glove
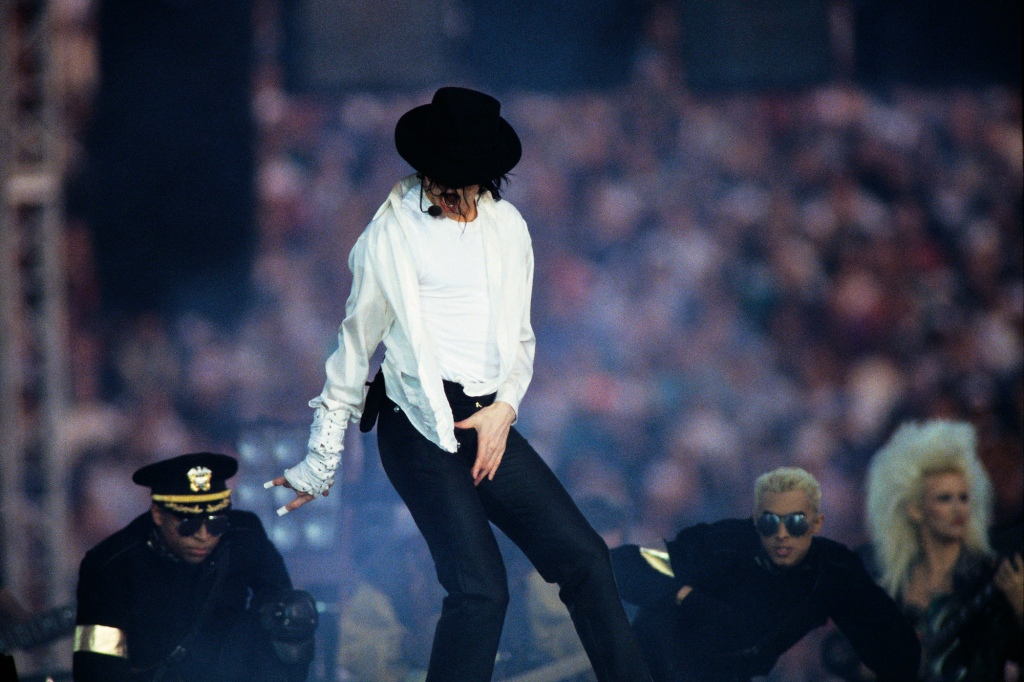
(290, 619)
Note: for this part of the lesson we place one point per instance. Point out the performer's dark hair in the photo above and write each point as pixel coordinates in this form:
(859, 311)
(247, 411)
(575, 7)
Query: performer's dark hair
(492, 185)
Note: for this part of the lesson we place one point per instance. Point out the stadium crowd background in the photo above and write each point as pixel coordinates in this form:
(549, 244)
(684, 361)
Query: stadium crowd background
(725, 283)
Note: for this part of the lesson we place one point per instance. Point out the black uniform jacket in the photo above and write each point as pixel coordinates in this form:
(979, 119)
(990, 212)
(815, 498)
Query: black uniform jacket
(132, 583)
(745, 612)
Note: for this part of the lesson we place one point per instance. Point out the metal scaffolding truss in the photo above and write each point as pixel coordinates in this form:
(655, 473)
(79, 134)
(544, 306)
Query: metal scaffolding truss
(33, 328)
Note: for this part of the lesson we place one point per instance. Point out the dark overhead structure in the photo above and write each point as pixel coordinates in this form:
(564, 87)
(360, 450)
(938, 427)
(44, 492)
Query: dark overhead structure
(938, 42)
(755, 44)
(553, 46)
(537, 45)
(168, 186)
(786, 44)
(331, 46)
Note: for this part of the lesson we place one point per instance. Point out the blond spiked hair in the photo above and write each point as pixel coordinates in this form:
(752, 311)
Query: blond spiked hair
(896, 479)
(784, 479)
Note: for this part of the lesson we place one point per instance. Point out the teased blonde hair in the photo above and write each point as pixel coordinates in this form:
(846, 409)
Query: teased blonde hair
(896, 479)
(784, 479)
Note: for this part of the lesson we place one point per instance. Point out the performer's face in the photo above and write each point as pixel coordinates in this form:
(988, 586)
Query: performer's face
(193, 549)
(944, 511)
(454, 202)
(784, 548)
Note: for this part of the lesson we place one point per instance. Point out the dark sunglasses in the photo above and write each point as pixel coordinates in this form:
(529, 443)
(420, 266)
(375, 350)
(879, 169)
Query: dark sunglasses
(796, 524)
(216, 525)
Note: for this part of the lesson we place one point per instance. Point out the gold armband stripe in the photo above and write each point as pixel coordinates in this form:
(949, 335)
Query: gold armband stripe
(658, 560)
(101, 639)
(209, 497)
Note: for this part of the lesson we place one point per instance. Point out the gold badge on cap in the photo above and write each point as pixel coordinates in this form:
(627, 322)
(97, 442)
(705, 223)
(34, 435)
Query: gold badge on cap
(199, 479)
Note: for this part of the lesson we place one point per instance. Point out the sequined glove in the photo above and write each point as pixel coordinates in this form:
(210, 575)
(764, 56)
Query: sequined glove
(315, 474)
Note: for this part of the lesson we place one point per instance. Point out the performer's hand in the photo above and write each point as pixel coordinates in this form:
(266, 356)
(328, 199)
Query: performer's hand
(492, 424)
(683, 593)
(300, 498)
(1009, 579)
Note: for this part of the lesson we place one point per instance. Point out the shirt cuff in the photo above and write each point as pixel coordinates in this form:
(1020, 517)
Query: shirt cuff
(508, 396)
(327, 432)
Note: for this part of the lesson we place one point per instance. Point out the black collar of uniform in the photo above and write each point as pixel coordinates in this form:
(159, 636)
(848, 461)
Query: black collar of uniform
(157, 545)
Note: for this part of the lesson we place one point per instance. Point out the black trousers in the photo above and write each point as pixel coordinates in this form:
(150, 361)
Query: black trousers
(528, 503)
(662, 641)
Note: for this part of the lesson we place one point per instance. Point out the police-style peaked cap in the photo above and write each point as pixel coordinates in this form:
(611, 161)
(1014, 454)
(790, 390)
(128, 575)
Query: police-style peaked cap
(190, 484)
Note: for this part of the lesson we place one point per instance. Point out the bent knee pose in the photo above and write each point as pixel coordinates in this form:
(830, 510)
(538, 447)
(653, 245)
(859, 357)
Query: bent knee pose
(443, 276)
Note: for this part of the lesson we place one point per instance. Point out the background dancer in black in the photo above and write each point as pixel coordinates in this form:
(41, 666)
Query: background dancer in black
(191, 590)
(729, 598)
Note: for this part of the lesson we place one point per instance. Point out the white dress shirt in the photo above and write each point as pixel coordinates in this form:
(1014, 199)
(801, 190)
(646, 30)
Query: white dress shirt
(385, 305)
(449, 258)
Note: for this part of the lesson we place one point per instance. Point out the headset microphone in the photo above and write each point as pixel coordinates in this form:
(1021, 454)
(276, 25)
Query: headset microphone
(434, 211)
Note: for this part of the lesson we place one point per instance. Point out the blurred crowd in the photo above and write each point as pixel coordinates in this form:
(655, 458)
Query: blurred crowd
(724, 283)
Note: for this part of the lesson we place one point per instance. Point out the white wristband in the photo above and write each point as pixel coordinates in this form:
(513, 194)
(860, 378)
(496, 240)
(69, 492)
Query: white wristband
(327, 432)
(314, 475)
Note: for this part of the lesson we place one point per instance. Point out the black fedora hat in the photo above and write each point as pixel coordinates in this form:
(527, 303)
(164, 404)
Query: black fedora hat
(458, 139)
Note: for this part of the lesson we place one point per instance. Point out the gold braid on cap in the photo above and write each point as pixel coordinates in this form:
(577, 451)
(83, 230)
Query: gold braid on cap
(209, 497)
(192, 503)
(223, 504)
(101, 639)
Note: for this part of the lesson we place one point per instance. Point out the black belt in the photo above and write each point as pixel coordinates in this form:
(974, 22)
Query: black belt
(455, 393)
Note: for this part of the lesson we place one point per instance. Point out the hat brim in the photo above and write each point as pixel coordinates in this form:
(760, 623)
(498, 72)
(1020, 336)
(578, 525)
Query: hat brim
(153, 475)
(419, 141)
